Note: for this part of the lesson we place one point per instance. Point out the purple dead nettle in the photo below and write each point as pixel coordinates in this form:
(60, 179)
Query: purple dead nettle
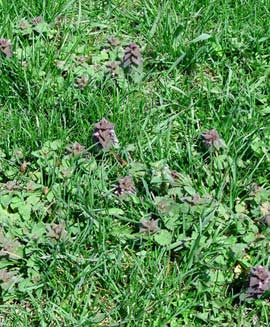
(255, 189)
(75, 149)
(132, 56)
(113, 41)
(60, 19)
(81, 82)
(104, 134)
(149, 226)
(6, 275)
(5, 47)
(12, 186)
(259, 282)
(8, 246)
(194, 199)
(266, 219)
(57, 231)
(212, 140)
(113, 68)
(80, 60)
(175, 175)
(24, 24)
(125, 186)
(37, 20)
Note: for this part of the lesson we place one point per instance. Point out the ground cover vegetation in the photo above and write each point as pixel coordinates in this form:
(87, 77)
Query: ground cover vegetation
(135, 163)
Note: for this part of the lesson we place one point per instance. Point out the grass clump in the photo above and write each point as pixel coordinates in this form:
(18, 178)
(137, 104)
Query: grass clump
(150, 220)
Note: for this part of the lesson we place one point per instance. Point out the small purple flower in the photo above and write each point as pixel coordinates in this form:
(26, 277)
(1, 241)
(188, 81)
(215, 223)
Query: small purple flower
(104, 134)
(6, 275)
(37, 20)
(259, 282)
(12, 186)
(113, 68)
(175, 175)
(81, 60)
(113, 41)
(5, 47)
(57, 231)
(149, 226)
(75, 149)
(60, 19)
(132, 56)
(81, 82)
(212, 140)
(266, 219)
(125, 186)
(24, 24)
(194, 199)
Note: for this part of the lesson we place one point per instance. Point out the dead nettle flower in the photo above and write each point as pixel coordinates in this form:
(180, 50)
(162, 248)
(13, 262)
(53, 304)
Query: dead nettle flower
(6, 275)
(61, 64)
(104, 134)
(175, 175)
(12, 186)
(82, 82)
(18, 153)
(132, 56)
(255, 189)
(60, 19)
(57, 231)
(80, 60)
(8, 247)
(31, 186)
(45, 190)
(125, 186)
(113, 68)
(113, 41)
(212, 140)
(266, 219)
(74, 149)
(63, 67)
(37, 20)
(265, 210)
(66, 172)
(5, 47)
(149, 226)
(194, 199)
(23, 166)
(259, 282)
(24, 24)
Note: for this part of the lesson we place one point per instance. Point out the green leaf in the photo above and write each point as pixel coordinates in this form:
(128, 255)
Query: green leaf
(99, 317)
(240, 208)
(190, 190)
(113, 212)
(25, 211)
(26, 285)
(101, 57)
(238, 249)
(202, 37)
(5, 200)
(16, 202)
(33, 199)
(137, 169)
(42, 27)
(163, 238)
(50, 196)
(38, 230)
(202, 316)
(171, 222)
(266, 111)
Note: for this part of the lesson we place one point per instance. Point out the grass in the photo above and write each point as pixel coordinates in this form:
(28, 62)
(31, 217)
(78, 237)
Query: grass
(73, 246)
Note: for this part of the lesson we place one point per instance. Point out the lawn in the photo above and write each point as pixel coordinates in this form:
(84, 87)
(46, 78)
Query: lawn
(134, 163)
